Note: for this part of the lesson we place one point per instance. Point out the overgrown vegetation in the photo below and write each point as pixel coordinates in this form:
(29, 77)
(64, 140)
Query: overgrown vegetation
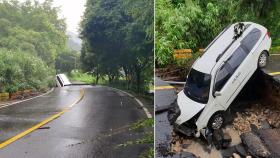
(77, 75)
(146, 125)
(20, 71)
(193, 24)
(118, 41)
(32, 37)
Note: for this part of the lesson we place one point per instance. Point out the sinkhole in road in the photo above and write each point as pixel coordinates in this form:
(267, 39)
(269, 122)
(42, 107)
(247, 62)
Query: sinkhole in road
(258, 101)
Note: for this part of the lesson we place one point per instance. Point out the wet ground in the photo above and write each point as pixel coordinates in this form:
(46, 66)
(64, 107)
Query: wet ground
(273, 64)
(94, 127)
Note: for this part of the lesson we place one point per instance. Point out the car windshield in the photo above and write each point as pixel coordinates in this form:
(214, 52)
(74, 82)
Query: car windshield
(198, 86)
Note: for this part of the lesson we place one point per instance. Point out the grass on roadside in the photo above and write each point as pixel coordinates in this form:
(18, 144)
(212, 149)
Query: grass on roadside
(274, 50)
(87, 78)
(146, 125)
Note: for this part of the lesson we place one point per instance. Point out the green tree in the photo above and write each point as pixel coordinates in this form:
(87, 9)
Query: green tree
(31, 38)
(118, 36)
(194, 23)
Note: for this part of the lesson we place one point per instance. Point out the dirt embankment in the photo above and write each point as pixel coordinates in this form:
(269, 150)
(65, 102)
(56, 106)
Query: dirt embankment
(265, 108)
(172, 73)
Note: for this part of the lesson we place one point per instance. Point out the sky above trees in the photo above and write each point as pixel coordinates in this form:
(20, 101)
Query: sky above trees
(71, 10)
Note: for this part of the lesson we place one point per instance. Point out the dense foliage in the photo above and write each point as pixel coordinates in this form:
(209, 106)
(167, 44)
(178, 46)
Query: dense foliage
(31, 38)
(20, 71)
(193, 24)
(118, 40)
(67, 61)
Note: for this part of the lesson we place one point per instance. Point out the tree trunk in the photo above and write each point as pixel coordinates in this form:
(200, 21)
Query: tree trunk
(138, 79)
(97, 75)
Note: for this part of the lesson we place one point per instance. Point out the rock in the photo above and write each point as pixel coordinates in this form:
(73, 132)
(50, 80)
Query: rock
(277, 124)
(266, 111)
(254, 145)
(226, 140)
(228, 152)
(236, 155)
(184, 155)
(265, 124)
(240, 150)
(218, 139)
(254, 128)
(221, 140)
(185, 146)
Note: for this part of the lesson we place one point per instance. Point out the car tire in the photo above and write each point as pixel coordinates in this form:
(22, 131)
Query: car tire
(263, 58)
(216, 121)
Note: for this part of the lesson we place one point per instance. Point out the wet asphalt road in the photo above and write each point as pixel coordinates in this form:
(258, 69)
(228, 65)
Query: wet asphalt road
(163, 101)
(92, 128)
(273, 67)
(273, 64)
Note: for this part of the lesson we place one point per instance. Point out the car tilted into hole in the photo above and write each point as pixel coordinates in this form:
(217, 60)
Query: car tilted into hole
(62, 80)
(218, 76)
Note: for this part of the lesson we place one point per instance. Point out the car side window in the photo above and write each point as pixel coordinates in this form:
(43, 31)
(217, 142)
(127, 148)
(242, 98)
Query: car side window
(228, 69)
(222, 77)
(251, 39)
(236, 59)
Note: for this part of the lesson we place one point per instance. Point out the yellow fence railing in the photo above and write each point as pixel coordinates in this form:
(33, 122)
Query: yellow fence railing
(185, 53)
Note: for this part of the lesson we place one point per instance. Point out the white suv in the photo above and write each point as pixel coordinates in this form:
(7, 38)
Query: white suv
(217, 77)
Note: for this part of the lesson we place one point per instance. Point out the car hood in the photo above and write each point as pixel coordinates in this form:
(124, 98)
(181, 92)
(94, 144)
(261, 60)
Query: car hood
(187, 107)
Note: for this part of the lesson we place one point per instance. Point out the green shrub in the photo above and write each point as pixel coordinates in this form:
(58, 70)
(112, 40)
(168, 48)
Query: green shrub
(20, 70)
(77, 75)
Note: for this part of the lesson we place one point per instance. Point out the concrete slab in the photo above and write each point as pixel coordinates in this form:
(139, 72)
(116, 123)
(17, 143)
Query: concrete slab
(163, 135)
(165, 95)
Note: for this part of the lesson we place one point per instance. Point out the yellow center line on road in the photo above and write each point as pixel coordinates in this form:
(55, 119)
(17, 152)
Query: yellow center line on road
(163, 87)
(26, 132)
(274, 73)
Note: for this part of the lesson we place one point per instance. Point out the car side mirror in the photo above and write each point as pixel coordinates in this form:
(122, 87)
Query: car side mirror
(217, 93)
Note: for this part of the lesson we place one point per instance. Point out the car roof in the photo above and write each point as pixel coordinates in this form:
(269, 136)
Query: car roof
(208, 60)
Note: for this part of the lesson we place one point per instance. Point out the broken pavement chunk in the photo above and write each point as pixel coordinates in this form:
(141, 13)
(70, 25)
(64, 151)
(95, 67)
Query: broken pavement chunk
(254, 145)
(221, 140)
(226, 140)
(184, 155)
(271, 138)
(265, 124)
(240, 150)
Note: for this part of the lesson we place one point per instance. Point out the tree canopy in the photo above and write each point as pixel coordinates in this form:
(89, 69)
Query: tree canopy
(32, 27)
(32, 36)
(193, 24)
(118, 39)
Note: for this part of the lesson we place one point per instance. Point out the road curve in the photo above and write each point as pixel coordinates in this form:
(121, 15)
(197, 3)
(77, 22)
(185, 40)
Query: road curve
(94, 127)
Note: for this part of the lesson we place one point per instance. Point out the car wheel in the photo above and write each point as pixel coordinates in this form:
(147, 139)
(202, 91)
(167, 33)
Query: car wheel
(263, 58)
(216, 121)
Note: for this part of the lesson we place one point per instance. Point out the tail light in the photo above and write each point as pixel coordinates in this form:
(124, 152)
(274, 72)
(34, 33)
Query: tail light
(268, 33)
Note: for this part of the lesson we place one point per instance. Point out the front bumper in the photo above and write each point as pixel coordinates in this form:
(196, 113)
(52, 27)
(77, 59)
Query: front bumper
(173, 113)
(189, 127)
(184, 129)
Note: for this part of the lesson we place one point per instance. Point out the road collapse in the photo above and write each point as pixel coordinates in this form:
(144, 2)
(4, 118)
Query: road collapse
(252, 126)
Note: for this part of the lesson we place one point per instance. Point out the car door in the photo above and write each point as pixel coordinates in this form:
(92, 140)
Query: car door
(249, 45)
(227, 79)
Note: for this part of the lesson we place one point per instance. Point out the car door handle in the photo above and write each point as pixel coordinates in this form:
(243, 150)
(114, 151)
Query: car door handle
(238, 74)
(235, 77)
